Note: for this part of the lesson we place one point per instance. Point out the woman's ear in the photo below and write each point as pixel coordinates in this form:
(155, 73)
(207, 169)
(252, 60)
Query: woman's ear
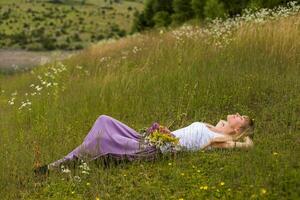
(237, 130)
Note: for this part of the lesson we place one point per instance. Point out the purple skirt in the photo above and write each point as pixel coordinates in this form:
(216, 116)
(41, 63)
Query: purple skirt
(109, 136)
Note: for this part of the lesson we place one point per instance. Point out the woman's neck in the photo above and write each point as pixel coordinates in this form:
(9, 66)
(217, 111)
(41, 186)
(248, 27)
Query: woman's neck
(225, 130)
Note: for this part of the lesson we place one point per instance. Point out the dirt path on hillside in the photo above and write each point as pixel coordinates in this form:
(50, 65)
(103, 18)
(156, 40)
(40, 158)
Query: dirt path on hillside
(20, 59)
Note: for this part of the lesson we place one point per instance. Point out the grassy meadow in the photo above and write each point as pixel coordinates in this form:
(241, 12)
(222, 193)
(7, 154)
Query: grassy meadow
(43, 25)
(160, 76)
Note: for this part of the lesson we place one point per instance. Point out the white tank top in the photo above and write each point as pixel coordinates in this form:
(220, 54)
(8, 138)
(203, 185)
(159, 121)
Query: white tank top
(195, 136)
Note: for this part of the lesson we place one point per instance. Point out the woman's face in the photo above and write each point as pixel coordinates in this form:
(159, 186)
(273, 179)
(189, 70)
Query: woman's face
(236, 121)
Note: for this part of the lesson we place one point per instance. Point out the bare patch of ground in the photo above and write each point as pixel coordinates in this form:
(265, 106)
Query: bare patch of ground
(15, 60)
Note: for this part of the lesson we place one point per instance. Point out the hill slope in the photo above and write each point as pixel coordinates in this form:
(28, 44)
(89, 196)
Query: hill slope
(42, 25)
(253, 70)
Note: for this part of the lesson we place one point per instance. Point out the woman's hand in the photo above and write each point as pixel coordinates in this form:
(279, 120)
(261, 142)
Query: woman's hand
(248, 141)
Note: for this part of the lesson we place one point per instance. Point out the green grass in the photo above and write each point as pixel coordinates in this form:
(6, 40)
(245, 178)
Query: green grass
(40, 25)
(257, 74)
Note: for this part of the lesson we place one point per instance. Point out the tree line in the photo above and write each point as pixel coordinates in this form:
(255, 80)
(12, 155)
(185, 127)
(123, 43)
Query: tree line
(159, 13)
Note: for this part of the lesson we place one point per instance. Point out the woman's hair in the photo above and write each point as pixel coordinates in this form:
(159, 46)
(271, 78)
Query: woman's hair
(246, 130)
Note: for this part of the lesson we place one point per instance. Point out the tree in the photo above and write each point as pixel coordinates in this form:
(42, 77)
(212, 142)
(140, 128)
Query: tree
(234, 7)
(149, 13)
(273, 3)
(162, 18)
(139, 22)
(155, 11)
(57, 1)
(162, 5)
(213, 9)
(198, 8)
(182, 10)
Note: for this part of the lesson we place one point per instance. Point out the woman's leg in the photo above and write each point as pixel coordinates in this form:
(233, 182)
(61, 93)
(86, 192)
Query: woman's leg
(107, 135)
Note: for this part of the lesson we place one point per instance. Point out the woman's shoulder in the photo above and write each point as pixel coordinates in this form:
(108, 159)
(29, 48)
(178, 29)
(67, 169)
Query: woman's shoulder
(196, 122)
(198, 125)
(191, 127)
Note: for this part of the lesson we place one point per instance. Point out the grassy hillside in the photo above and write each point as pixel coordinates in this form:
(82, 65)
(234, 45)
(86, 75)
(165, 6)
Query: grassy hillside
(42, 25)
(247, 67)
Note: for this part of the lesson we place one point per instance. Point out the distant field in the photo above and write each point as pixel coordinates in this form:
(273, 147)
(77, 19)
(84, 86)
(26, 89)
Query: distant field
(41, 25)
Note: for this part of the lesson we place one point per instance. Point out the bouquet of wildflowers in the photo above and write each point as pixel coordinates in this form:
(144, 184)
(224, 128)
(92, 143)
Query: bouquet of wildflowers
(160, 137)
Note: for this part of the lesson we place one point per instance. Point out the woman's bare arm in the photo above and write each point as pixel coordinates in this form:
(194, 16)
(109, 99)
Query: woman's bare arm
(231, 144)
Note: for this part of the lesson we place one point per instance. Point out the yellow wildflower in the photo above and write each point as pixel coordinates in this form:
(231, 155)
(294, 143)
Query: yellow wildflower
(88, 184)
(182, 174)
(204, 187)
(97, 198)
(263, 191)
(222, 183)
(275, 153)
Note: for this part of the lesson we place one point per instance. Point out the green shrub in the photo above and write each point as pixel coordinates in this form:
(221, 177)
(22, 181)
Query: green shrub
(36, 46)
(76, 37)
(48, 43)
(62, 46)
(100, 37)
(57, 33)
(78, 46)
(121, 32)
(255, 4)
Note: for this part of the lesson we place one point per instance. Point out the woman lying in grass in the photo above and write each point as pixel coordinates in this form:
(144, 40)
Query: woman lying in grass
(110, 137)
